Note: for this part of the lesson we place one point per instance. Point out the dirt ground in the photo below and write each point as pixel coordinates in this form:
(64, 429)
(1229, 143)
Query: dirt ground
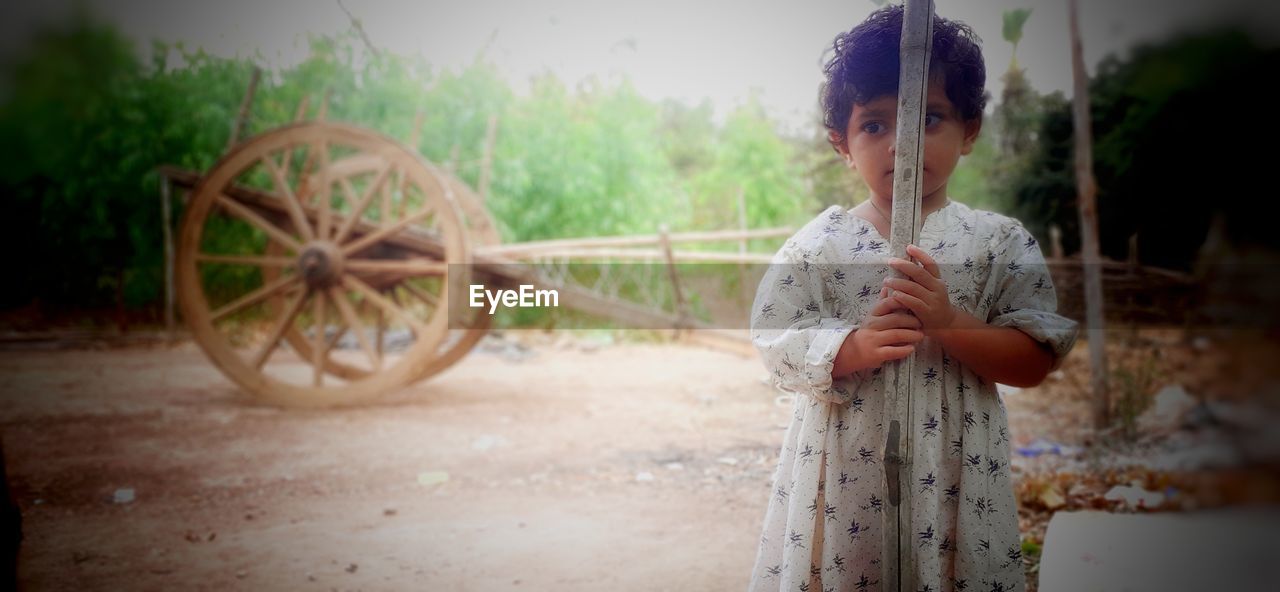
(571, 465)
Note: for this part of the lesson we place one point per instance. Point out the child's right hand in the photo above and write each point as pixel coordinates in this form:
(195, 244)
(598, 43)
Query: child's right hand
(888, 332)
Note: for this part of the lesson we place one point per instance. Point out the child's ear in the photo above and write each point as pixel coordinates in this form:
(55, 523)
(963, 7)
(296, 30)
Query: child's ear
(841, 144)
(971, 130)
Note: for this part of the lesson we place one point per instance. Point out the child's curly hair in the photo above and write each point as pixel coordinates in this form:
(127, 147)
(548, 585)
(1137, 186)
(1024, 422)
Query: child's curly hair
(866, 61)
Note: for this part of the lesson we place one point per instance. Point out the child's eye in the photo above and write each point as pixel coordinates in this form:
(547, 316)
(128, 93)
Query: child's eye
(872, 127)
(932, 119)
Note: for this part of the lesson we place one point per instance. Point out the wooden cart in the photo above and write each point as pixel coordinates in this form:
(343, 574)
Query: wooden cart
(344, 232)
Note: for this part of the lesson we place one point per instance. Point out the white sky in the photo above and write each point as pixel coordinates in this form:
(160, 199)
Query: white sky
(718, 49)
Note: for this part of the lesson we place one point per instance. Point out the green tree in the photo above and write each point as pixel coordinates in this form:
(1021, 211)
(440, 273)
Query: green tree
(1167, 151)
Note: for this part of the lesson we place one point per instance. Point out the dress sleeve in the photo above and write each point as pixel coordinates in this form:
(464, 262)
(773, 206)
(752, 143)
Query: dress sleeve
(1025, 298)
(795, 331)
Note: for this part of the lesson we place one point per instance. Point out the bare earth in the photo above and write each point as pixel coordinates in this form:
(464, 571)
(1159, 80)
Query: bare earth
(545, 453)
(571, 465)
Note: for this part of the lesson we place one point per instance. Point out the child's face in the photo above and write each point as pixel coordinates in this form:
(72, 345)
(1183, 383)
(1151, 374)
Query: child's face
(869, 148)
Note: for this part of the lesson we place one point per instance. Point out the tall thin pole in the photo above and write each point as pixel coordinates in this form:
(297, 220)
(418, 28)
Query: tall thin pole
(898, 568)
(241, 122)
(166, 215)
(1086, 188)
(486, 164)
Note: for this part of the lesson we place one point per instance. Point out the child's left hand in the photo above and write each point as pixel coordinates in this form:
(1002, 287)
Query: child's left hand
(924, 293)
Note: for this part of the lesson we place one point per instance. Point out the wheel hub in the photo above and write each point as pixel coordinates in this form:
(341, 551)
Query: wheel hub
(321, 264)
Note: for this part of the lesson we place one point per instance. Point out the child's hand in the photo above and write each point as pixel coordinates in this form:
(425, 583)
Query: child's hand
(888, 332)
(924, 293)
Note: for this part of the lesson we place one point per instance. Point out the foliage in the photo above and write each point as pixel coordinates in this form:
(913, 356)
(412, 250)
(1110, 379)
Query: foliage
(1167, 153)
(84, 122)
(1012, 30)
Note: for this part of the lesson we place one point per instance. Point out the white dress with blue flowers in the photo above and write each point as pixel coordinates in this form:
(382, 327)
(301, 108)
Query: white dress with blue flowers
(823, 525)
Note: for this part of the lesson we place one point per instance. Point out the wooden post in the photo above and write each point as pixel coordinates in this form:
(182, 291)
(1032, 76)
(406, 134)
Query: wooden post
(359, 27)
(1055, 242)
(323, 113)
(454, 154)
(1087, 190)
(742, 247)
(166, 215)
(899, 560)
(300, 113)
(681, 309)
(242, 118)
(416, 135)
(486, 165)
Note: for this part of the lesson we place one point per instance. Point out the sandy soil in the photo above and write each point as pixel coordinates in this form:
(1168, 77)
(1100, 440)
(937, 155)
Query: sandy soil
(549, 454)
(570, 465)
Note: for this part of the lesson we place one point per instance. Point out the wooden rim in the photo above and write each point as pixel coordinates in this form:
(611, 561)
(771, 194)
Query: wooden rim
(480, 228)
(339, 248)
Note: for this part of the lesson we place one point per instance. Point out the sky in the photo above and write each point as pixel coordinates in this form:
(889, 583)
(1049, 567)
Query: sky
(689, 50)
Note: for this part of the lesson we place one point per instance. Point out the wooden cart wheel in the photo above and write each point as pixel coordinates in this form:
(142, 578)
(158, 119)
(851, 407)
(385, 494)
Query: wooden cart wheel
(465, 331)
(340, 253)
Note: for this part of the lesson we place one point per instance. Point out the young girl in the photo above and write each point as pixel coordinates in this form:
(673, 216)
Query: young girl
(977, 308)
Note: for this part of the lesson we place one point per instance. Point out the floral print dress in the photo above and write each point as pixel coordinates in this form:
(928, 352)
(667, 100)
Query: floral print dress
(823, 524)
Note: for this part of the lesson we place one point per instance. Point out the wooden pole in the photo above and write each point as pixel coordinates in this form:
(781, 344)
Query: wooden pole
(681, 309)
(300, 113)
(742, 246)
(323, 113)
(1086, 191)
(416, 135)
(486, 165)
(531, 249)
(242, 118)
(166, 215)
(452, 165)
(899, 560)
(359, 27)
(1055, 242)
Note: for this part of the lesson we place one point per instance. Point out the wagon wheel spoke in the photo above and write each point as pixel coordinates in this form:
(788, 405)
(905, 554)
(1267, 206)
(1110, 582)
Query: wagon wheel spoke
(384, 216)
(348, 192)
(353, 322)
(317, 152)
(350, 222)
(318, 350)
(381, 302)
(325, 218)
(395, 299)
(422, 295)
(290, 200)
(271, 288)
(277, 332)
(403, 184)
(311, 190)
(386, 231)
(246, 260)
(248, 215)
(416, 266)
(332, 342)
(380, 320)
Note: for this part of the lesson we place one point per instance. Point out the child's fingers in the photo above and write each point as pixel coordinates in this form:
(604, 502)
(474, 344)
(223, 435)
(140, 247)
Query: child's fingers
(895, 352)
(901, 320)
(894, 320)
(898, 337)
(885, 306)
(915, 272)
(915, 304)
(907, 286)
(923, 257)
